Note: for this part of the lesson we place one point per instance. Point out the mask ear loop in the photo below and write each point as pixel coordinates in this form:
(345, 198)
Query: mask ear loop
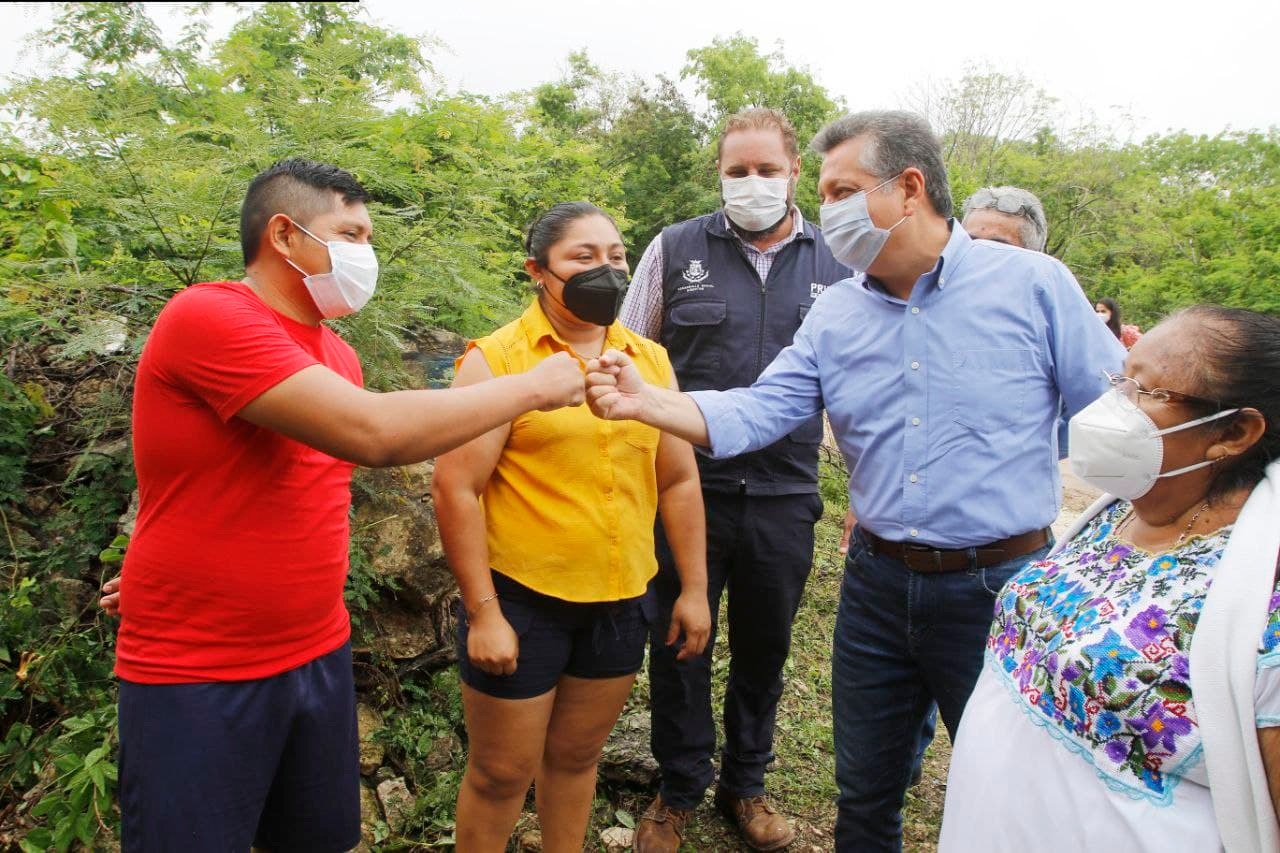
(1188, 425)
(304, 230)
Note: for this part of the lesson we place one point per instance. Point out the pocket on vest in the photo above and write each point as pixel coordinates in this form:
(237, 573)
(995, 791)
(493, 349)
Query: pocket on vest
(696, 341)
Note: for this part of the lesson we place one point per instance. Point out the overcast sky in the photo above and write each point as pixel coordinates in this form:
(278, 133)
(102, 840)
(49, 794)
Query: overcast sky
(1138, 66)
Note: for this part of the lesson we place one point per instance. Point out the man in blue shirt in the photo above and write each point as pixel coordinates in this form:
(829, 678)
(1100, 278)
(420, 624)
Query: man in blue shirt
(942, 368)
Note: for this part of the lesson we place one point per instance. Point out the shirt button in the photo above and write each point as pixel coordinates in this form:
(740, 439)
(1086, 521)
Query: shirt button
(915, 365)
(913, 478)
(915, 422)
(915, 309)
(914, 532)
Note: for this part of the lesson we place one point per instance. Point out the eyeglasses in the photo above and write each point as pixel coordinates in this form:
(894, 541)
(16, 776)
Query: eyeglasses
(1129, 387)
(1005, 204)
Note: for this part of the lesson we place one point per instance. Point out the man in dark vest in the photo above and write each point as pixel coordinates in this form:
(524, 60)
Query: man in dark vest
(725, 293)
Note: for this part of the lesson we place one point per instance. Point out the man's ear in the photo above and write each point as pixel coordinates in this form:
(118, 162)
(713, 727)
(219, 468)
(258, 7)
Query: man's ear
(279, 235)
(913, 188)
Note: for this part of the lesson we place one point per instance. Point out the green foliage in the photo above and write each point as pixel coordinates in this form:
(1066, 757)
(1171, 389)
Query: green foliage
(77, 801)
(119, 185)
(422, 737)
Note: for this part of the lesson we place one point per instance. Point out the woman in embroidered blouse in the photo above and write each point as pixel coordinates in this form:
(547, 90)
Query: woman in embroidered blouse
(1083, 728)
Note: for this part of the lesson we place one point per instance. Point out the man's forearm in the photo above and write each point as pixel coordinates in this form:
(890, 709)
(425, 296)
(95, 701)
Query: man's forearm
(454, 416)
(675, 413)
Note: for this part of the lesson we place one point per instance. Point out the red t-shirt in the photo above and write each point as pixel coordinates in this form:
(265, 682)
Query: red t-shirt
(236, 566)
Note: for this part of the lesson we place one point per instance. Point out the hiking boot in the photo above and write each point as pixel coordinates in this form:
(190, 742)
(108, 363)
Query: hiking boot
(757, 820)
(661, 827)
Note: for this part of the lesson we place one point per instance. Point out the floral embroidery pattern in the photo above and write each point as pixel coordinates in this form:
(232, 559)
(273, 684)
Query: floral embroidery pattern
(1269, 651)
(1094, 643)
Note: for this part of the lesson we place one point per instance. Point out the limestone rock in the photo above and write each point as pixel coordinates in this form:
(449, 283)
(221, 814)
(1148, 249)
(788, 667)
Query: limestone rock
(394, 515)
(394, 523)
(73, 596)
(442, 341)
(130, 518)
(626, 757)
(397, 802)
(617, 838)
(370, 814)
(441, 753)
(369, 722)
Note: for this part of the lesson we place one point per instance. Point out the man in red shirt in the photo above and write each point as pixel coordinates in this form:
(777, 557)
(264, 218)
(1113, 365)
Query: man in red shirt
(237, 717)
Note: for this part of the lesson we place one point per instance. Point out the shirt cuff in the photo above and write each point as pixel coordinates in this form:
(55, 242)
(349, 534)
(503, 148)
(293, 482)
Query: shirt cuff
(724, 427)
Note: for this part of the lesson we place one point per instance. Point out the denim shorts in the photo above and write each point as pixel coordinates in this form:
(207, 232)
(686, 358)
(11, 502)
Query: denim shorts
(604, 639)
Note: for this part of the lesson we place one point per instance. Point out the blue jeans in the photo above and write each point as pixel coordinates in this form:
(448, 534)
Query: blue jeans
(903, 641)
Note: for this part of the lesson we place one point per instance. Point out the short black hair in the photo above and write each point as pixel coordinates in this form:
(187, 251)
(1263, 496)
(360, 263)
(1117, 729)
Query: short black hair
(298, 188)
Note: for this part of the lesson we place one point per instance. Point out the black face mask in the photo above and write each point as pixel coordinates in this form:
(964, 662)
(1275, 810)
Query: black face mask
(595, 295)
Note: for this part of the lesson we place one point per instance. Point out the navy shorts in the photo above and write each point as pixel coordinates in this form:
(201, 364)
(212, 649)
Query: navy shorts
(594, 640)
(219, 766)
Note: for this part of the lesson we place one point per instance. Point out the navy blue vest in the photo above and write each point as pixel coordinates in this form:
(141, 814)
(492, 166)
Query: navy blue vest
(722, 326)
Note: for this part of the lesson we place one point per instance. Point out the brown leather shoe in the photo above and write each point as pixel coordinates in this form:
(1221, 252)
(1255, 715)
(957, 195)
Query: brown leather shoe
(661, 827)
(757, 820)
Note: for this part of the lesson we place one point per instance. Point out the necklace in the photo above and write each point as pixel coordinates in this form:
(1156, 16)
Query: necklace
(1181, 536)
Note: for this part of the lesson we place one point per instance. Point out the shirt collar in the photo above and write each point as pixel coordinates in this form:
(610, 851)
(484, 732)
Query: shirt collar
(957, 247)
(537, 328)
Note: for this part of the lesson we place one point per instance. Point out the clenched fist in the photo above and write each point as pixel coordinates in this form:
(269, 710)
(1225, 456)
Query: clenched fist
(615, 389)
(559, 382)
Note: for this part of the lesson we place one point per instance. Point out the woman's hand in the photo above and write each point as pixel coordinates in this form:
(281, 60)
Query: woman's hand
(690, 616)
(492, 644)
(110, 601)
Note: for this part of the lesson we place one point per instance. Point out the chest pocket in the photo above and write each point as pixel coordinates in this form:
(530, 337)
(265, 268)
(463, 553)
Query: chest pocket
(989, 387)
(695, 341)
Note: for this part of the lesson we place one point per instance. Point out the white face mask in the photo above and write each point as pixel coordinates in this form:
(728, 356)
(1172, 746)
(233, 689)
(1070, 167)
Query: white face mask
(1116, 447)
(754, 203)
(850, 234)
(350, 282)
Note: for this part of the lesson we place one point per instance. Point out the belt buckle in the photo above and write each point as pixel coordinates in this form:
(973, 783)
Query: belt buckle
(933, 567)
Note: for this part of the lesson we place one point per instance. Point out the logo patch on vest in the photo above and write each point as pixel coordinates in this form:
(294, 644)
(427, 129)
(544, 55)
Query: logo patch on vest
(694, 273)
(815, 288)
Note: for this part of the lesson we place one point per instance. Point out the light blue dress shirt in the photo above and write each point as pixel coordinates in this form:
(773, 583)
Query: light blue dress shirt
(945, 406)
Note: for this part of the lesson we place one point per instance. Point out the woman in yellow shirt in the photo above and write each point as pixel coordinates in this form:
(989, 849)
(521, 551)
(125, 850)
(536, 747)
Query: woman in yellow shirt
(547, 523)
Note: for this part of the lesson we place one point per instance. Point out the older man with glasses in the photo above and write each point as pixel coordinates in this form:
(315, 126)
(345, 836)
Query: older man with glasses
(1009, 215)
(943, 365)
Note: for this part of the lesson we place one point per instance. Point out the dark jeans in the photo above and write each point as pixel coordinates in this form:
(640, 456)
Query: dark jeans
(761, 549)
(927, 731)
(902, 642)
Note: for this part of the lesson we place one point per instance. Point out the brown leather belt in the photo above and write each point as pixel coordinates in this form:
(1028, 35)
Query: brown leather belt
(934, 561)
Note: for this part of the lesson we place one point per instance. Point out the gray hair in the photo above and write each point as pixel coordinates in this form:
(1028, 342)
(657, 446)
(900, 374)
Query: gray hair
(1014, 201)
(898, 141)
